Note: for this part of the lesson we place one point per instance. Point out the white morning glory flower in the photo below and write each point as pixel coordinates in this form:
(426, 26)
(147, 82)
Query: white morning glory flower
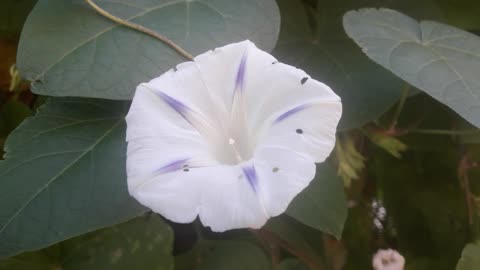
(231, 137)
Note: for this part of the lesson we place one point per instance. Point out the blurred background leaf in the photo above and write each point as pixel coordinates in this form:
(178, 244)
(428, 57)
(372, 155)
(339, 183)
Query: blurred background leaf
(143, 243)
(292, 264)
(13, 14)
(322, 204)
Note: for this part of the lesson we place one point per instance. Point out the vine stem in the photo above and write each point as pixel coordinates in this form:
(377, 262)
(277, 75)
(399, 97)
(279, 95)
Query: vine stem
(463, 168)
(400, 105)
(140, 28)
(444, 132)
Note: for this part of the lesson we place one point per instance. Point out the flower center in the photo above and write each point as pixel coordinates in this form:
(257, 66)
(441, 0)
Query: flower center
(232, 149)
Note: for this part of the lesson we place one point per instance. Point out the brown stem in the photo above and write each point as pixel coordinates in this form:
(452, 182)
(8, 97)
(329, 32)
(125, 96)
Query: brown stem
(140, 28)
(463, 168)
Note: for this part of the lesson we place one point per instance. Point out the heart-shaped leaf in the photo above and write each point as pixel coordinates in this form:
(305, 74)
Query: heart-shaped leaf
(67, 49)
(439, 59)
(64, 174)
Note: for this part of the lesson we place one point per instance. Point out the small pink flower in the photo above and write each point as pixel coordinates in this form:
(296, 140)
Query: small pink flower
(388, 259)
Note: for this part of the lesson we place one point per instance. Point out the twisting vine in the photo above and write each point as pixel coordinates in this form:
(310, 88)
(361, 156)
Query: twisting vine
(140, 28)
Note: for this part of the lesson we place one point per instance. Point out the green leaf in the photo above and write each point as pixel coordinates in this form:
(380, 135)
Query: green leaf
(439, 59)
(64, 174)
(13, 14)
(144, 243)
(322, 205)
(388, 143)
(67, 49)
(234, 255)
(291, 264)
(312, 39)
(470, 259)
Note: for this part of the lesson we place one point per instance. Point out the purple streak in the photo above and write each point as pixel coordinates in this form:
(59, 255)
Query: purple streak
(172, 166)
(291, 112)
(239, 81)
(251, 175)
(177, 105)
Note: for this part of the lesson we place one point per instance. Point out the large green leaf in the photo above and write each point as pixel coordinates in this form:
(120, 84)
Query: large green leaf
(470, 259)
(144, 243)
(67, 49)
(322, 205)
(292, 264)
(64, 174)
(233, 255)
(439, 59)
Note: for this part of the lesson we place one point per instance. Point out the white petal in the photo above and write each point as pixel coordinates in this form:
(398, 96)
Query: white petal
(185, 84)
(150, 116)
(175, 195)
(219, 70)
(230, 202)
(273, 91)
(148, 155)
(282, 175)
(310, 131)
(283, 99)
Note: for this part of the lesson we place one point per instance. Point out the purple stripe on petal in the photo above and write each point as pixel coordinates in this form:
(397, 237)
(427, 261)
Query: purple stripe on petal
(239, 81)
(177, 105)
(251, 175)
(291, 112)
(172, 166)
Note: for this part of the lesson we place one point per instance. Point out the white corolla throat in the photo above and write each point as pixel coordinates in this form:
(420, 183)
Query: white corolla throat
(231, 137)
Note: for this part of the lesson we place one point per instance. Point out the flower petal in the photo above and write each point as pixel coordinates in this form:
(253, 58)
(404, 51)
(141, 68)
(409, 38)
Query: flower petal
(224, 70)
(176, 195)
(284, 101)
(282, 175)
(278, 99)
(309, 131)
(229, 201)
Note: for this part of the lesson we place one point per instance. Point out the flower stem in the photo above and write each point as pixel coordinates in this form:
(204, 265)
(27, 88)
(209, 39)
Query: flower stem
(444, 132)
(142, 29)
(400, 105)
